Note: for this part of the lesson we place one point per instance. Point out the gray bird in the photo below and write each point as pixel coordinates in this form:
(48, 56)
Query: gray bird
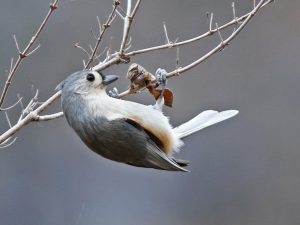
(126, 131)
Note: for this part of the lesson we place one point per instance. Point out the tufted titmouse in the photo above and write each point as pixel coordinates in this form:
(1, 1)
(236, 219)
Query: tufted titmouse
(126, 131)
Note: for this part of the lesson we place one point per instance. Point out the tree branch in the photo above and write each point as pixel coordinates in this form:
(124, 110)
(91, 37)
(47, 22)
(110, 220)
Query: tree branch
(222, 45)
(127, 23)
(25, 52)
(105, 26)
(202, 36)
(119, 56)
(31, 116)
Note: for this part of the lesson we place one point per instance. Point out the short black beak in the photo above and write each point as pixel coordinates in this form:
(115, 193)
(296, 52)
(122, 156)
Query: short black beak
(108, 79)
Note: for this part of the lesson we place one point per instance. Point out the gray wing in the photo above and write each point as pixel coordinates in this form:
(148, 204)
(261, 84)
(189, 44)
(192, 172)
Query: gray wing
(157, 159)
(124, 140)
(154, 157)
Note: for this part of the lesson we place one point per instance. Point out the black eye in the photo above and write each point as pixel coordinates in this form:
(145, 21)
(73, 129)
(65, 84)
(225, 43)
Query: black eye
(90, 77)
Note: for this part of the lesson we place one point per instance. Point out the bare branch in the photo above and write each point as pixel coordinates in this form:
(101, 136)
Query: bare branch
(120, 15)
(7, 119)
(5, 144)
(77, 45)
(219, 47)
(210, 22)
(129, 41)
(204, 35)
(33, 51)
(222, 45)
(177, 58)
(102, 31)
(119, 56)
(11, 64)
(31, 116)
(128, 10)
(219, 33)
(137, 4)
(127, 23)
(21, 103)
(24, 53)
(166, 33)
(17, 44)
(49, 117)
(99, 25)
(12, 106)
(101, 53)
(233, 10)
(31, 104)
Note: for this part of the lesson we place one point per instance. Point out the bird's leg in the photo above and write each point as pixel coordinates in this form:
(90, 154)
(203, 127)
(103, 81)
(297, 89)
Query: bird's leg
(161, 79)
(113, 93)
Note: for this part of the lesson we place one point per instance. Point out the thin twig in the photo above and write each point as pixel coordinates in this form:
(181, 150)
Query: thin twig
(49, 117)
(11, 64)
(12, 106)
(233, 10)
(177, 58)
(219, 47)
(204, 35)
(31, 116)
(219, 33)
(7, 119)
(120, 15)
(166, 33)
(5, 144)
(25, 52)
(99, 24)
(33, 51)
(102, 31)
(119, 56)
(210, 22)
(222, 45)
(17, 44)
(127, 23)
(77, 45)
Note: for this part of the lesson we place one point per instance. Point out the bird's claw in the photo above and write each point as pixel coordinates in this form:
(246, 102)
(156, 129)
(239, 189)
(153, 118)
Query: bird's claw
(113, 93)
(161, 77)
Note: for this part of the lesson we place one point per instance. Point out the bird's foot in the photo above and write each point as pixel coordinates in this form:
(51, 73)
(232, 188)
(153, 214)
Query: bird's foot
(161, 78)
(113, 93)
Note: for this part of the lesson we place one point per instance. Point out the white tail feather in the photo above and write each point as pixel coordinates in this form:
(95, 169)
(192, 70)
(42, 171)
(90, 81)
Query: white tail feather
(204, 119)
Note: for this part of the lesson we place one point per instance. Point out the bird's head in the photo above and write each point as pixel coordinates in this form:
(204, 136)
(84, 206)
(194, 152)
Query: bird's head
(86, 81)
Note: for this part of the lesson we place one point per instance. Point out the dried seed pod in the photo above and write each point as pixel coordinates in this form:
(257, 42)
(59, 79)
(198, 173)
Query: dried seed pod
(139, 77)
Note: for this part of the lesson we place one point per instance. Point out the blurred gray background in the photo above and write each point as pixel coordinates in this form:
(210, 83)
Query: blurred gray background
(244, 171)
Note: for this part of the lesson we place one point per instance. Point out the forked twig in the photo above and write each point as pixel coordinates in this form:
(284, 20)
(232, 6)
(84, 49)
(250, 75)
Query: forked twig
(31, 116)
(102, 31)
(223, 44)
(202, 36)
(26, 52)
(219, 47)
